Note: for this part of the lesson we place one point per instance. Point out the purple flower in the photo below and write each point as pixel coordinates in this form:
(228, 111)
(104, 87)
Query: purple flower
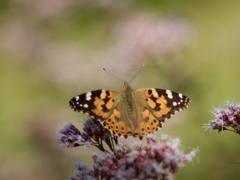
(94, 135)
(226, 118)
(70, 136)
(83, 172)
(154, 160)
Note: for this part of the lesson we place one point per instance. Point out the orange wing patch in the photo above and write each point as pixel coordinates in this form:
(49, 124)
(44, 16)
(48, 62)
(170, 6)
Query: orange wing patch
(103, 104)
(158, 104)
(164, 110)
(116, 126)
(149, 125)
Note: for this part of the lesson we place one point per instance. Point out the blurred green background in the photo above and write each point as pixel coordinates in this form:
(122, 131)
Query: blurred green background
(53, 50)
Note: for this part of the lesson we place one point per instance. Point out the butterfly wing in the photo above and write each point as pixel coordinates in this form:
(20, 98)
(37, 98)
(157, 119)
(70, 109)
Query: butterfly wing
(97, 104)
(156, 105)
(104, 105)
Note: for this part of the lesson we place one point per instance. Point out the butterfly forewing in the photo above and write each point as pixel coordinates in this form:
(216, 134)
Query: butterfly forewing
(164, 103)
(98, 104)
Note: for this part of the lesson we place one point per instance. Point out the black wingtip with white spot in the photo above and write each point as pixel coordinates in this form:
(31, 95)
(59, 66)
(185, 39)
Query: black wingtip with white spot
(73, 104)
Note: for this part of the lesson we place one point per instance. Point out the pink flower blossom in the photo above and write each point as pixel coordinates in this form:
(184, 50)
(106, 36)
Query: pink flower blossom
(226, 118)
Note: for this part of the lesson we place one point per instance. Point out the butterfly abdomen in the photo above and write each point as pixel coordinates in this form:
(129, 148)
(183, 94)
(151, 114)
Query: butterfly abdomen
(130, 108)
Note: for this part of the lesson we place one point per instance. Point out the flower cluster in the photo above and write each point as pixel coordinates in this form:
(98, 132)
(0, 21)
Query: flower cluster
(225, 118)
(153, 160)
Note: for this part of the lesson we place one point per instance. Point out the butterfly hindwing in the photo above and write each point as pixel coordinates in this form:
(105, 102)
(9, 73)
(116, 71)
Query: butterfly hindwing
(148, 124)
(116, 122)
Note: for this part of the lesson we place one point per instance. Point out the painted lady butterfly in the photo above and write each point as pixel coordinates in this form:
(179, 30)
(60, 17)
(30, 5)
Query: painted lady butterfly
(130, 112)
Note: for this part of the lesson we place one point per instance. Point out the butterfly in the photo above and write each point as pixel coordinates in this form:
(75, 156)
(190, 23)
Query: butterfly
(130, 112)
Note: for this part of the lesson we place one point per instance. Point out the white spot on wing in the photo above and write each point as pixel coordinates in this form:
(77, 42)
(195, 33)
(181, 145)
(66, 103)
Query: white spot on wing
(85, 105)
(180, 95)
(77, 98)
(88, 96)
(174, 103)
(169, 93)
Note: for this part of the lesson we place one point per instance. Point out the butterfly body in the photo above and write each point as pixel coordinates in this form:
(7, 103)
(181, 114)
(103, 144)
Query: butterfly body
(127, 112)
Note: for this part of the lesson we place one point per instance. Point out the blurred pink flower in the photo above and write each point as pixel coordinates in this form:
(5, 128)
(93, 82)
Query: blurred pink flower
(138, 39)
(144, 37)
(44, 8)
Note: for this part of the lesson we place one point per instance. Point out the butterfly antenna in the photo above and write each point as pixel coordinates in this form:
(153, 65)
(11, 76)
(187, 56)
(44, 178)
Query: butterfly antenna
(137, 73)
(103, 68)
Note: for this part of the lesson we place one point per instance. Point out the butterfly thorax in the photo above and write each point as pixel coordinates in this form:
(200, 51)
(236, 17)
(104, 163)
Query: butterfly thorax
(128, 96)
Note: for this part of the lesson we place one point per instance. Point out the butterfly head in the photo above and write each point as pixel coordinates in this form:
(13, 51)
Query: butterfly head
(127, 89)
(126, 85)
